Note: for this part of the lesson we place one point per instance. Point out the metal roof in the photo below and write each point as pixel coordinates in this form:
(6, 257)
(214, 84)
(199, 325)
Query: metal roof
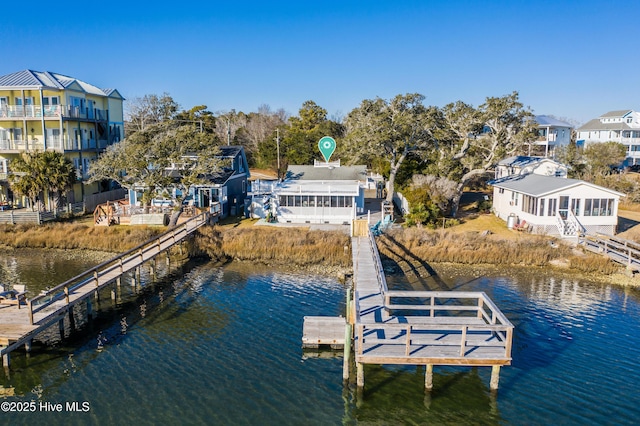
(545, 120)
(620, 113)
(596, 124)
(539, 186)
(358, 173)
(520, 161)
(47, 79)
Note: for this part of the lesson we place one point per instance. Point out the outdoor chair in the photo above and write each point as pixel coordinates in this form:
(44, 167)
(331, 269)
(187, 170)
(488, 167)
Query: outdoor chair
(522, 226)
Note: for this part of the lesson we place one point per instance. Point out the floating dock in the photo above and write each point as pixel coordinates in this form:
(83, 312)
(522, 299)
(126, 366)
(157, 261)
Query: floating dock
(318, 331)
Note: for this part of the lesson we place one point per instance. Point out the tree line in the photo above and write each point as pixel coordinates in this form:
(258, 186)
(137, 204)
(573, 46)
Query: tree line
(430, 153)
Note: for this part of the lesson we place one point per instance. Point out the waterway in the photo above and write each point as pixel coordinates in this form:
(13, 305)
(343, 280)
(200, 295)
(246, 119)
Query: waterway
(213, 344)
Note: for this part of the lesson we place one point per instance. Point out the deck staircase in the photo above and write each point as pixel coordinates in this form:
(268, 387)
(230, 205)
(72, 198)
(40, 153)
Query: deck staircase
(107, 214)
(569, 227)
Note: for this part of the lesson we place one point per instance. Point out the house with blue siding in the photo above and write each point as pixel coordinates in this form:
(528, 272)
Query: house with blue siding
(224, 191)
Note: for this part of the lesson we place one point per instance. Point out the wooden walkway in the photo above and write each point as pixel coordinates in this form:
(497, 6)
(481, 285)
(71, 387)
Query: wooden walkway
(423, 327)
(624, 252)
(19, 325)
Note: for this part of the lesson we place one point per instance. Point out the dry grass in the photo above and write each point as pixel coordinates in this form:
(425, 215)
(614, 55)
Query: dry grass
(296, 246)
(76, 236)
(456, 245)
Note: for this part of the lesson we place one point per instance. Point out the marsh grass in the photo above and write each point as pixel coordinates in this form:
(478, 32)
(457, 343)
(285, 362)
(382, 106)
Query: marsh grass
(476, 248)
(293, 246)
(69, 236)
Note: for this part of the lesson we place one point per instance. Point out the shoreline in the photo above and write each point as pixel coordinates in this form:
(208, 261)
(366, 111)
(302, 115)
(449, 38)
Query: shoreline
(324, 252)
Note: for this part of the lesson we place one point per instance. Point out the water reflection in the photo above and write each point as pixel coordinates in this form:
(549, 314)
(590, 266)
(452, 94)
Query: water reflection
(222, 345)
(397, 396)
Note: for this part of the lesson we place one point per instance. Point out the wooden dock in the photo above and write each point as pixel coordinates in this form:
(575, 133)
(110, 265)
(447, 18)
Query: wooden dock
(19, 325)
(624, 252)
(318, 331)
(422, 327)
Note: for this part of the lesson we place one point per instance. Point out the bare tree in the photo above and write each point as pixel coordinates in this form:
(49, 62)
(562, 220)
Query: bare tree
(140, 113)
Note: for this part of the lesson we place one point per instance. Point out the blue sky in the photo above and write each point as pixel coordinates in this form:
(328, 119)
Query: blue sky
(574, 59)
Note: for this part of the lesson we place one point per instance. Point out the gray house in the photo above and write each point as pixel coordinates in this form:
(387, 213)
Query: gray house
(225, 191)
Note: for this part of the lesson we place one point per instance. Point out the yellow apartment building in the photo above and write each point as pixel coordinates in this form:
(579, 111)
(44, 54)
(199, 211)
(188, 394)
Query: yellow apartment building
(42, 110)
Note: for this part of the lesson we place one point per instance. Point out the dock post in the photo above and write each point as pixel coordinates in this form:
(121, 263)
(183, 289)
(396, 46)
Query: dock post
(152, 268)
(495, 377)
(114, 293)
(27, 346)
(61, 328)
(72, 319)
(360, 374)
(428, 377)
(6, 360)
(89, 309)
(133, 279)
(347, 338)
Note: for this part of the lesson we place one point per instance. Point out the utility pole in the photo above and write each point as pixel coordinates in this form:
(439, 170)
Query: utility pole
(228, 131)
(278, 149)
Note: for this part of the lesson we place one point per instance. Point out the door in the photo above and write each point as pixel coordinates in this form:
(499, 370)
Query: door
(563, 206)
(4, 106)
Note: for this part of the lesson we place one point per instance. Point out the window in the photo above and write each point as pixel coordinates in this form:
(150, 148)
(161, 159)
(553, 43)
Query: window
(348, 202)
(551, 210)
(542, 207)
(51, 100)
(598, 206)
(530, 204)
(575, 206)
(500, 190)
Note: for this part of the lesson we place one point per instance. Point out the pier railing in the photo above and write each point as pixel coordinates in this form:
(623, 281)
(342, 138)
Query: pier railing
(625, 252)
(377, 263)
(462, 320)
(106, 272)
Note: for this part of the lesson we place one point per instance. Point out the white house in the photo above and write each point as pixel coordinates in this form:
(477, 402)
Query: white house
(552, 205)
(552, 133)
(520, 165)
(618, 126)
(321, 194)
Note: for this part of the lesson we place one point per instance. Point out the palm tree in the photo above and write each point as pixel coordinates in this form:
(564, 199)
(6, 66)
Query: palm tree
(34, 173)
(24, 177)
(59, 175)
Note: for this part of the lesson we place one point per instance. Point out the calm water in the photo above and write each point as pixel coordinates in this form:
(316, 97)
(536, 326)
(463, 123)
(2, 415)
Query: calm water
(222, 345)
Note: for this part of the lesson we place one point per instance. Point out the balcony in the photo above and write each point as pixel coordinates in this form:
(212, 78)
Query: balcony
(55, 144)
(26, 112)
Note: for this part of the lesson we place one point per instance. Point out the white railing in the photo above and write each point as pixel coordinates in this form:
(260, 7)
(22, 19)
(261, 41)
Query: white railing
(569, 227)
(55, 143)
(51, 111)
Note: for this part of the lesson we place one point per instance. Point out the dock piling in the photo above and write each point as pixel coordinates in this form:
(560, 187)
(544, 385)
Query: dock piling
(495, 377)
(428, 377)
(61, 328)
(89, 309)
(360, 374)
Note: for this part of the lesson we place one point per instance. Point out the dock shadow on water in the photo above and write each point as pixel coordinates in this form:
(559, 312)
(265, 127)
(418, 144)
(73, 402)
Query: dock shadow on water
(222, 345)
(157, 300)
(418, 273)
